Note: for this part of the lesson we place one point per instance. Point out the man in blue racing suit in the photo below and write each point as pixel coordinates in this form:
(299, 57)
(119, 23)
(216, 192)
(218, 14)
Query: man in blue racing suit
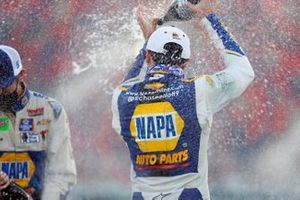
(165, 119)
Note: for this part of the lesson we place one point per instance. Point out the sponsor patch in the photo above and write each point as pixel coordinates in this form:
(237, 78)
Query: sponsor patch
(26, 125)
(162, 160)
(156, 127)
(18, 166)
(35, 112)
(44, 122)
(224, 79)
(24, 100)
(43, 133)
(4, 123)
(30, 137)
(176, 36)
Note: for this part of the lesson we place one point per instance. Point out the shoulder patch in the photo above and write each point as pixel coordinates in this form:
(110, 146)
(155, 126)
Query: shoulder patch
(224, 79)
(56, 107)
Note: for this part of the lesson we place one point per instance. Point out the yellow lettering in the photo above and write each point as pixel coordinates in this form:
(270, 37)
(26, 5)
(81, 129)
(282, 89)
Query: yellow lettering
(163, 158)
(139, 160)
(179, 156)
(185, 155)
(146, 159)
(169, 159)
(175, 157)
(153, 159)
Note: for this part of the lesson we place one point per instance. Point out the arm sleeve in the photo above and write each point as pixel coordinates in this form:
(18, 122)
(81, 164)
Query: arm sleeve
(60, 172)
(137, 68)
(136, 73)
(115, 112)
(231, 82)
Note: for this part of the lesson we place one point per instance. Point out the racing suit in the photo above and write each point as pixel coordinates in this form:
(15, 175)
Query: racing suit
(35, 147)
(166, 120)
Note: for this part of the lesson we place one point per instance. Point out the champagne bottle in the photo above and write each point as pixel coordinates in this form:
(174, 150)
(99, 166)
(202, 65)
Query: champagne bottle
(14, 192)
(178, 12)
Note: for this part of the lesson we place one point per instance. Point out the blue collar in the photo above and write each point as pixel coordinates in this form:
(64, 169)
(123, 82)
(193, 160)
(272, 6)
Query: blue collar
(22, 101)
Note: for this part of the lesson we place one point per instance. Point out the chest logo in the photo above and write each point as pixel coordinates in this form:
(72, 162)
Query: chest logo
(35, 112)
(44, 122)
(29, 137)
(4, 123)
(26, 125)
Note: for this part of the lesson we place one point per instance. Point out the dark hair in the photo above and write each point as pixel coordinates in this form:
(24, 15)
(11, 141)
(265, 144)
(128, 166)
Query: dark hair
(171, 57)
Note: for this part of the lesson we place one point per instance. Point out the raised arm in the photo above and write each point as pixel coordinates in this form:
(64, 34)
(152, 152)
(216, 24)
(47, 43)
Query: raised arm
(231, 82)
(147, 28)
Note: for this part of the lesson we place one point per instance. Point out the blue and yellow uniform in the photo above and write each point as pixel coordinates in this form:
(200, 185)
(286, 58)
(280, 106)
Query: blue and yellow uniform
(166, 120)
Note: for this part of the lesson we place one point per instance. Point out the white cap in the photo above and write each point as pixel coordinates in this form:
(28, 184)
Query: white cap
(168, 34)
(10, 65)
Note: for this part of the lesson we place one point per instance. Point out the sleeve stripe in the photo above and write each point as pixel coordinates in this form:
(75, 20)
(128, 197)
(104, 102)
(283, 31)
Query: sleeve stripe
(224, 35)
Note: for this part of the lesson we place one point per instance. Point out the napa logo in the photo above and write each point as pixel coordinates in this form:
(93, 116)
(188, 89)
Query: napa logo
(18, 166)
(156, 127)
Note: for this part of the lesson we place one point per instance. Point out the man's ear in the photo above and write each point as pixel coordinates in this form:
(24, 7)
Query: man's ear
(148, 57)
(184, 64)
(22, 75)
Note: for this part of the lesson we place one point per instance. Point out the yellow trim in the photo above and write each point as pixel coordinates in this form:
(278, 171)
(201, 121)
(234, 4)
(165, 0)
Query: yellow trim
(209, 80)
(122, 88)
(192, 79)
(159, 72)
(233, 53)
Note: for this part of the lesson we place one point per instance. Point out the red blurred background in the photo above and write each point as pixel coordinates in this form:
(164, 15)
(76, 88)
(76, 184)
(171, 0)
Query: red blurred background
(51, 37)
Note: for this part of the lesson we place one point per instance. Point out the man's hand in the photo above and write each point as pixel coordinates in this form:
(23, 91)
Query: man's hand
(146, 27)
(203, 8)
(4, 180)
(30, 190)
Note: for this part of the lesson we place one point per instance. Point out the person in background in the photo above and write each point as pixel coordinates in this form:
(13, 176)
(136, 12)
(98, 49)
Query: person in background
(165, 119)
(35, 144)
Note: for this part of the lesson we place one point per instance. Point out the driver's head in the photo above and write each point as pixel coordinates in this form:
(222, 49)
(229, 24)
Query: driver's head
(10, 65)
(169, 46)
